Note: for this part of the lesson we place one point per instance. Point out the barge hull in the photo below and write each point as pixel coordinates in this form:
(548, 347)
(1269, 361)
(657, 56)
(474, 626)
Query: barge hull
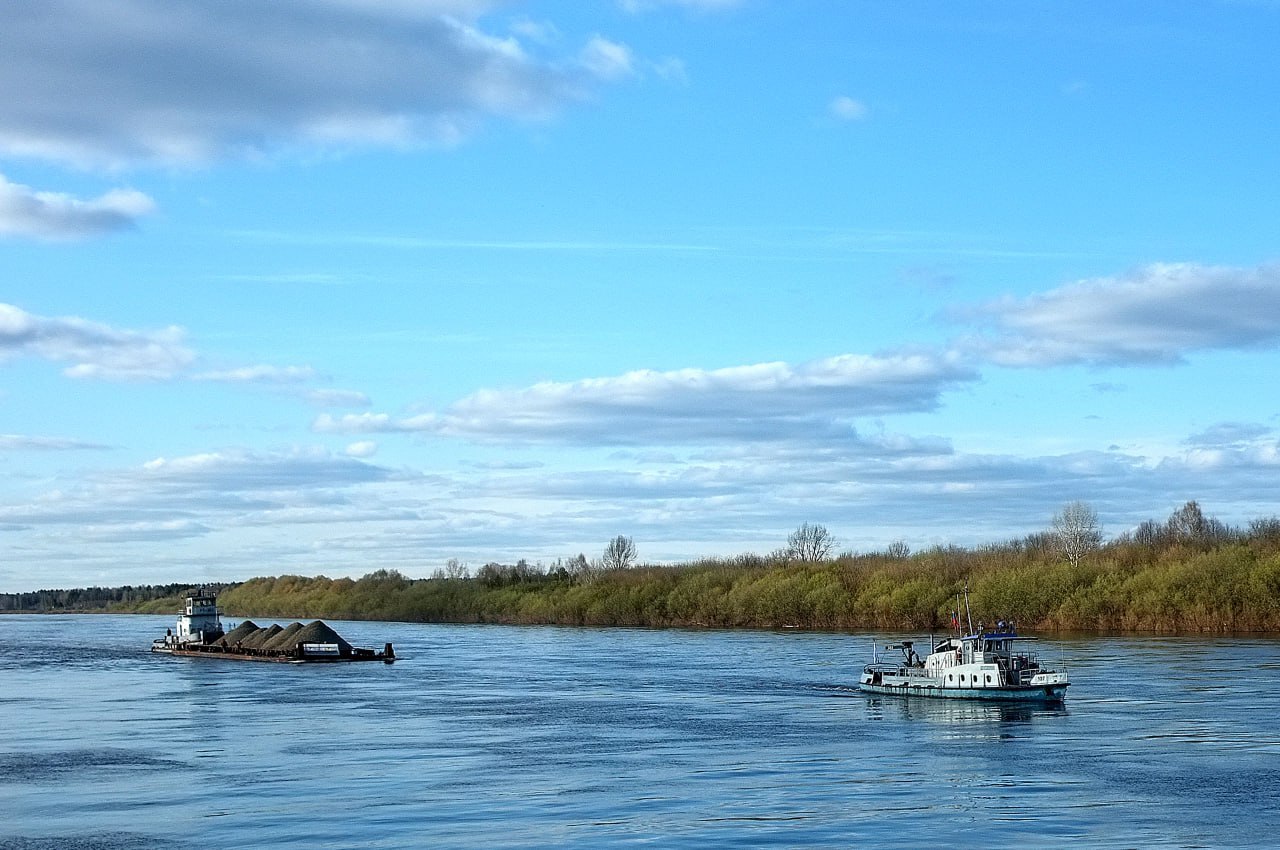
(275, 659)
(1037, 693)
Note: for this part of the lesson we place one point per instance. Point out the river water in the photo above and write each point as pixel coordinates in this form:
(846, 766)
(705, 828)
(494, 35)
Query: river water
(491, 736)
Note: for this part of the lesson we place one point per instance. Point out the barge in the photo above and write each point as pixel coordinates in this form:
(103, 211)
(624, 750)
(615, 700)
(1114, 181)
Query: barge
(199, 634)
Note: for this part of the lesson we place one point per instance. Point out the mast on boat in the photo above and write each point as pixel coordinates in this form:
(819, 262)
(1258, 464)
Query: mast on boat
(967, 612)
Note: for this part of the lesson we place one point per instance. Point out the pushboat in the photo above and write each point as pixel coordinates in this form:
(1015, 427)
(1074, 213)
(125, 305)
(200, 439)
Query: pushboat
(199, 634)
(982, 665)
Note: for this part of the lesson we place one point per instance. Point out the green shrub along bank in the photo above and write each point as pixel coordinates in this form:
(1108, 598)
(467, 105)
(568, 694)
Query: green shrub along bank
(1190, 574)
(1232, 587)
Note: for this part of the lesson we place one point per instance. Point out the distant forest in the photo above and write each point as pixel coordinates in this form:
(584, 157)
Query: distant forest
(142, 599)
(1189, 574)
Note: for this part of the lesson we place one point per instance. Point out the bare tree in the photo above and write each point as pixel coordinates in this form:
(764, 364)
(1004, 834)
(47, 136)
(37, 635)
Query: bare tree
(1188, 523)
(898, 550)
(1265, 528)
(619, 554)
(810, 542)
(1076, 531)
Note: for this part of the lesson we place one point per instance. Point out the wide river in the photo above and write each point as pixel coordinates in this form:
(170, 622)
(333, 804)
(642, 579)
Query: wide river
(491, 736)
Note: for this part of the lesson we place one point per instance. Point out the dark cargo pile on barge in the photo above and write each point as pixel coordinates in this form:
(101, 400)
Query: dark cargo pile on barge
(199, 634)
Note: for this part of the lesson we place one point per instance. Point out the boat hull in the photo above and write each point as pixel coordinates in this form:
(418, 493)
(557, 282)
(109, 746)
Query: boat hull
(1051, 693)
(273, 659)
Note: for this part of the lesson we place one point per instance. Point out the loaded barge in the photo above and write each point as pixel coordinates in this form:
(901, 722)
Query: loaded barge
(199, 634)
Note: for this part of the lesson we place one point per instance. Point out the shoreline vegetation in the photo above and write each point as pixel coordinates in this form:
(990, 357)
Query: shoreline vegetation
(1189, 575)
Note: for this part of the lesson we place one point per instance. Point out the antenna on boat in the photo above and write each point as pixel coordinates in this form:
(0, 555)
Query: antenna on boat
(968, 613)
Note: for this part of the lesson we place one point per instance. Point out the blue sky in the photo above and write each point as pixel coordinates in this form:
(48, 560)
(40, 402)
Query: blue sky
(331, 286)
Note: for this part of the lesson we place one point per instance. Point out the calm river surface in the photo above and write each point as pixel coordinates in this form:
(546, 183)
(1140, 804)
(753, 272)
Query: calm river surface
(489, 736)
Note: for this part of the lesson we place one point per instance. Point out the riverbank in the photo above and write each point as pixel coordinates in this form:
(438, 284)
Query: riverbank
(1229, 590)
(1229, 586)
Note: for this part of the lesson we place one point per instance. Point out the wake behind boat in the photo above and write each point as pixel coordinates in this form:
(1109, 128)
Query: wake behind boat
(981, 665)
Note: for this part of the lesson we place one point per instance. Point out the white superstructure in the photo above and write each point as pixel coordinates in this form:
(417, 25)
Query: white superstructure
(199, 622)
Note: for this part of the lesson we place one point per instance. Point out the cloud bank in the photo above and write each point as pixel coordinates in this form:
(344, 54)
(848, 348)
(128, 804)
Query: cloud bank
(715, 460)
(312, 510)
(1155, 315)
(189, 81)
(99, 351)
(765, 401)
(93, 350)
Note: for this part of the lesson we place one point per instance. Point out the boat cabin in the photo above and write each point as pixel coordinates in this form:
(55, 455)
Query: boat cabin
(991, 650)
(199, 621)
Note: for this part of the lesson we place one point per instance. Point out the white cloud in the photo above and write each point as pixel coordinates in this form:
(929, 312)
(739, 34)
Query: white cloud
(145, 532)
(607, 60)
(671, 69)
(260, 374)
(95, 83)
(53, 215)
(99, 351)
(539, 32)
(1158, 314)
(845, 108)
(1227, 434)
(22, 442)
(362, 449)
(310, 511)
(359, 423)
(240, 470)
(94, 350)
(124, 519)
(765, 401)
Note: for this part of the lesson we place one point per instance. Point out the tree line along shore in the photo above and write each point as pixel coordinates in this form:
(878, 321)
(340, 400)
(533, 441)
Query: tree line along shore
(1188, 575)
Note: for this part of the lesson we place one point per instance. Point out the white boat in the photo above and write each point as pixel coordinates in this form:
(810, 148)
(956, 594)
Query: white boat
(985, 665)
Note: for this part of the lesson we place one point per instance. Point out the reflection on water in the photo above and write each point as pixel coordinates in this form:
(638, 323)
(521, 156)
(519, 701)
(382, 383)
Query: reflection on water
(982, 712)
(552, 737)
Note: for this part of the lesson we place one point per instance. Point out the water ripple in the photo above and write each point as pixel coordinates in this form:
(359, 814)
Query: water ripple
(490, 737)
